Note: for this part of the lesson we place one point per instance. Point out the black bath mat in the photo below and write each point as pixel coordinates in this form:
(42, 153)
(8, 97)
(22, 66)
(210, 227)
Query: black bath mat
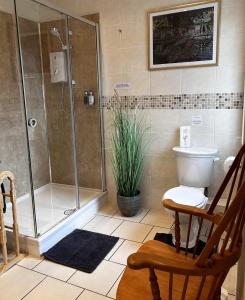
(82, 250)
(167, 238)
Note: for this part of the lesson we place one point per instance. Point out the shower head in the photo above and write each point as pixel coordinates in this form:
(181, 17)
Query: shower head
(55, 32)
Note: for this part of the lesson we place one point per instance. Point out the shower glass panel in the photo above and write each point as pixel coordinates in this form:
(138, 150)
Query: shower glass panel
(84, 73)
(14, 155)
(42, 35)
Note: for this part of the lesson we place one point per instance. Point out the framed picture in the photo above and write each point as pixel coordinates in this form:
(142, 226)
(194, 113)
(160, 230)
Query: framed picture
(184, 36)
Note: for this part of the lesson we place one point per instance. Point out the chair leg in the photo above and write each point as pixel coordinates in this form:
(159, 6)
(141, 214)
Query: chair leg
(3, 236)
(15, 224)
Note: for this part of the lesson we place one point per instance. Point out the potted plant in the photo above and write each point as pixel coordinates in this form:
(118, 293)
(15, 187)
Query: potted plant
(128, 148)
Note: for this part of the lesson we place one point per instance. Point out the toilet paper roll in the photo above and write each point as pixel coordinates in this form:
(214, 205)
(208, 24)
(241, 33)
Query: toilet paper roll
(228, 162)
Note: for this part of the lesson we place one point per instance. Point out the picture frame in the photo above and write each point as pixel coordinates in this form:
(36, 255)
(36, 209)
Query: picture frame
(184, 36)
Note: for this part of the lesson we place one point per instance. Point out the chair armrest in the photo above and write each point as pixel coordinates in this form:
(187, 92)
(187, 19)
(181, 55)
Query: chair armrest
(190, 210)
(141, 260)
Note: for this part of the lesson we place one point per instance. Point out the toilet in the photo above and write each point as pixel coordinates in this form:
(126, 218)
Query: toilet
(194, 169)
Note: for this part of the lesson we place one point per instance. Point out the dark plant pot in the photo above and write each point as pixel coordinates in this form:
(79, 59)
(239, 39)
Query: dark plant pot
(129, 206)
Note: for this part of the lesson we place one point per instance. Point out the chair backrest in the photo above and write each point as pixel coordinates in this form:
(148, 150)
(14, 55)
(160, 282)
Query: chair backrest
(223, 247)
(222, 230)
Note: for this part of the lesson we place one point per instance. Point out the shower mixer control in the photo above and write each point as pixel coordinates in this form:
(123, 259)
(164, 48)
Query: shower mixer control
(32, 122)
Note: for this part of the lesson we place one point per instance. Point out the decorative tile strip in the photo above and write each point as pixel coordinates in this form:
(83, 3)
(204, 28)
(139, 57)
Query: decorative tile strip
(183, 101)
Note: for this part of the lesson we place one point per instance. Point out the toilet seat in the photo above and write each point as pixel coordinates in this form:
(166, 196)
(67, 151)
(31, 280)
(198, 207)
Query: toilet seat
(187, 196)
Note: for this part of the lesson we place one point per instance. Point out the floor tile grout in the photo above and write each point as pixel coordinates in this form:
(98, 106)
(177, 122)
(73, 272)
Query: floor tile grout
(115, 281)
(34, 287)
(49, 276)
(123, 240)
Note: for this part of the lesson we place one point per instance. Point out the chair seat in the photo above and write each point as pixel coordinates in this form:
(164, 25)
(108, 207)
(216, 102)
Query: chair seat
(135, 284)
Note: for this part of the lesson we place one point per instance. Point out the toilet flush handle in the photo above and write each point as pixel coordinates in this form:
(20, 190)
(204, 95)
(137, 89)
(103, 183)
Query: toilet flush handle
(216, 159)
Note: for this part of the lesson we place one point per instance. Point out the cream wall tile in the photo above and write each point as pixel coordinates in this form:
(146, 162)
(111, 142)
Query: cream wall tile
(228, 122)
(165, 120)
(109, 84)
(111, 38)
(232, 51)
(162, 167)
(107, 210)
(200, 139)
(139, 83)
(229, 79)
(159, 187)
(227, 146)
(232, 18)
(162, 144)
(135, 59)
(113, 62)
(207, 115)
(24, 281)
(110, 14)
(145, 186)
(133, 34)
(166, 82)
(198, 80)
(54, 289)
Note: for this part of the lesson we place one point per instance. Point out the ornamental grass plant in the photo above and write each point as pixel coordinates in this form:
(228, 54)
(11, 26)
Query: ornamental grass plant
(128, 147)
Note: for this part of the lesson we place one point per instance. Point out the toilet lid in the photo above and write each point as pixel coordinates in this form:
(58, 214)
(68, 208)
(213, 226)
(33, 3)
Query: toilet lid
(186, 196)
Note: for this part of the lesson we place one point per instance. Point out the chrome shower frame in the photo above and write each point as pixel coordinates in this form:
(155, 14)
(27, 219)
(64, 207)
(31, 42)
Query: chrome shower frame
(66, 48)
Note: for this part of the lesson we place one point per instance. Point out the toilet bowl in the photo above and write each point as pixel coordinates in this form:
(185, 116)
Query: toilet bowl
(194, 169)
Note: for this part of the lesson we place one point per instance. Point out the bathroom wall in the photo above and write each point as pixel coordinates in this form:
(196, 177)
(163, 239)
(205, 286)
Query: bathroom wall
(170, 97)
(13, 146)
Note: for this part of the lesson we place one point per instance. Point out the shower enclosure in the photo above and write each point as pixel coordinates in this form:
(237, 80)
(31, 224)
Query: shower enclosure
(51, 135)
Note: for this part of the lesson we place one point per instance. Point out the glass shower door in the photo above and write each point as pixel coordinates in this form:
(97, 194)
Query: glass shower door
(42, 34)
(84, 73)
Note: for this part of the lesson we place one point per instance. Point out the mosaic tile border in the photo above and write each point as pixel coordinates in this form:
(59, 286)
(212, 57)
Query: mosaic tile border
(182, 101)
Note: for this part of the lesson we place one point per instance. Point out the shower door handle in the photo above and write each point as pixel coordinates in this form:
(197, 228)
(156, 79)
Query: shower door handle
(32, 122)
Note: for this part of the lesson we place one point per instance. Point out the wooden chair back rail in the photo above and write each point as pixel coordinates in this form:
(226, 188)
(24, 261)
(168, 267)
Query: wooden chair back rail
(6, 175)
(239, 160)
(222, 249)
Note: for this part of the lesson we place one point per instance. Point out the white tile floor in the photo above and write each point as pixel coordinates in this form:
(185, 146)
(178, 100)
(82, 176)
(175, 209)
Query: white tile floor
(38, 279)
(51, 201)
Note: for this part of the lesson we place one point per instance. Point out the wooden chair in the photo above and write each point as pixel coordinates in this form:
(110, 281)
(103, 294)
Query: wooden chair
(8, 262)
(158, 271)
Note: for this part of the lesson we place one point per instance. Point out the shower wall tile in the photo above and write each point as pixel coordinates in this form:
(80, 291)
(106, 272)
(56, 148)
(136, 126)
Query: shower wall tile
(87, 119)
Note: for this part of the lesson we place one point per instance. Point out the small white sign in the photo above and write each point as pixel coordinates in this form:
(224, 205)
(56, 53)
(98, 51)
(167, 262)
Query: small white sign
(122, 86)
(196, 121)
